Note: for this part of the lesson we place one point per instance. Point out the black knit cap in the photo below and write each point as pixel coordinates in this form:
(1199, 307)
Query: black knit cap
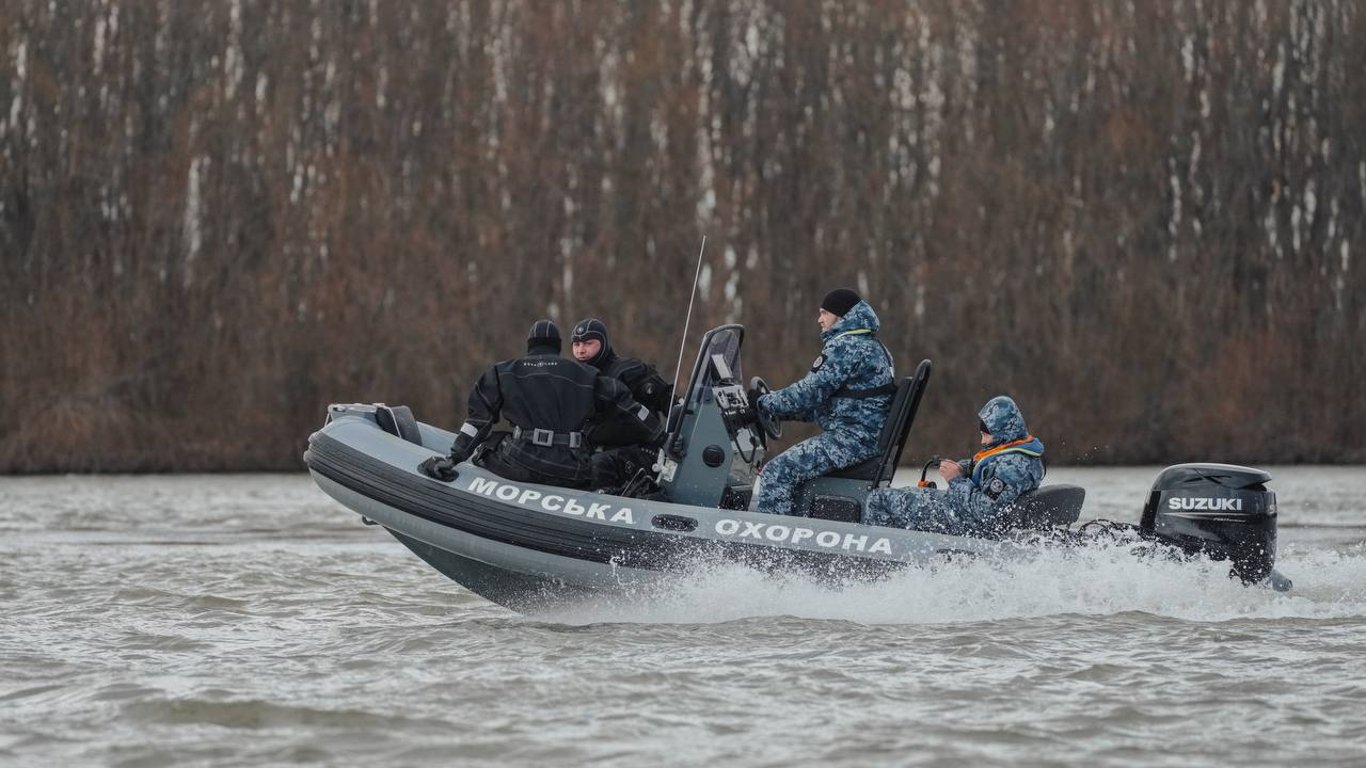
(840, 301)
(543, 333)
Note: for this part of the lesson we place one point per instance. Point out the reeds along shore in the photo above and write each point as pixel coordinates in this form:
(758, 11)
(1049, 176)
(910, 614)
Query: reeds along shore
(1142, 220)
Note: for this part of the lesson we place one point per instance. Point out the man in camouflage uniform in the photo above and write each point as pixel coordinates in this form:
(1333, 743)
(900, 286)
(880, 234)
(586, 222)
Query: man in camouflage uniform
(848, 392)
(977, 496)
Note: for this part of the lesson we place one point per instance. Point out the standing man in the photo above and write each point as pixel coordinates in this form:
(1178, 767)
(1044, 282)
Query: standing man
(848, 392)
(977, 498)
(549, 400)
(622, 455)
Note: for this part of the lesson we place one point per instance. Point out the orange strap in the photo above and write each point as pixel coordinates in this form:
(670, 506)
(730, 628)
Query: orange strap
(1003, 447)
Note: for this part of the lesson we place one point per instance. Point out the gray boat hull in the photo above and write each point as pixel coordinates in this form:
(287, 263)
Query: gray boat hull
(524, 545)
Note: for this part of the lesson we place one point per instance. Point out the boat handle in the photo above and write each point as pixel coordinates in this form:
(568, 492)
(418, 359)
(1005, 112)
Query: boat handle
(674, 523)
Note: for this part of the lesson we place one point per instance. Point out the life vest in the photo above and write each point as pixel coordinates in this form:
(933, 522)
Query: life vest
(1028, 445)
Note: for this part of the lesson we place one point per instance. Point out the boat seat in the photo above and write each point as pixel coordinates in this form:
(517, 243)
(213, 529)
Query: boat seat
(398, 420)
(1048, 506)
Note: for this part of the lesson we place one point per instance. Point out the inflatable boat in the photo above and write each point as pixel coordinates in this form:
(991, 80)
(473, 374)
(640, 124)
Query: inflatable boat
(525, 546)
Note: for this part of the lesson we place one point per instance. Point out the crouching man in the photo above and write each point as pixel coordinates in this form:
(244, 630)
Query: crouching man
(977, 498)
(620, 454)
(550, 401)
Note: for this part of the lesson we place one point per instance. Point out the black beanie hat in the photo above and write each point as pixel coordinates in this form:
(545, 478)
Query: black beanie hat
(840, 301)
(544, 333)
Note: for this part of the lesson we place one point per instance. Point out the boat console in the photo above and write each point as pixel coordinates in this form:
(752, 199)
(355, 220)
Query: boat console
(715, 444)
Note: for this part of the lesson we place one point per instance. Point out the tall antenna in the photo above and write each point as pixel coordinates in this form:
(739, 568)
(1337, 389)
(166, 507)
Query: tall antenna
(691, 295)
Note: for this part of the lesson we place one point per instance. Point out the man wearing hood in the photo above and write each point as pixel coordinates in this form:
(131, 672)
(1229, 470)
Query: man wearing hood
(848, 391)
(550, 401)
(622, 455)
(977, 496)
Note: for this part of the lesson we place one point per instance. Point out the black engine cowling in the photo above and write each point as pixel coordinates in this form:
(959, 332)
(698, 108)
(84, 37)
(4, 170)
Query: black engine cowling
(1221, 510)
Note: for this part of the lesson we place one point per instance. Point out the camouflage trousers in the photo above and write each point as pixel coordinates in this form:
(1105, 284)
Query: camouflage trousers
(920, 509)
(810, 458)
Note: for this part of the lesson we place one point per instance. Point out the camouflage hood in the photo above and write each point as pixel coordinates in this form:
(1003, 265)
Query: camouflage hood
(861, 317)
(1003, 419)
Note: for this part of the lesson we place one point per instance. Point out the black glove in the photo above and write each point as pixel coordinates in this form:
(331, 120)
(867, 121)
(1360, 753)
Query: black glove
(439, 467)
(462, 448)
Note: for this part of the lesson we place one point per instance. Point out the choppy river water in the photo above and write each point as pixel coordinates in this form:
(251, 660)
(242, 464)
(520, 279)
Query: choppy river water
(223, 620)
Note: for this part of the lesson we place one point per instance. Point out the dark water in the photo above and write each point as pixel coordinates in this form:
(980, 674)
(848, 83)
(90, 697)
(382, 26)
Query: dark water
(250, 620)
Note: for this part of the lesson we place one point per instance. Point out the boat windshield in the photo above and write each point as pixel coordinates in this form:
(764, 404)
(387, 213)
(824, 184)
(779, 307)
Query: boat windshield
(718, 359)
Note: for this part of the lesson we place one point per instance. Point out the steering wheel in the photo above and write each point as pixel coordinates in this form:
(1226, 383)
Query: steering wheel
(769, 426)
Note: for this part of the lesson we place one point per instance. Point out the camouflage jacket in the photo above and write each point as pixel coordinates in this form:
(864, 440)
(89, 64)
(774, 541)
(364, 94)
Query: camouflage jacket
(852, 362)
(1011, 465)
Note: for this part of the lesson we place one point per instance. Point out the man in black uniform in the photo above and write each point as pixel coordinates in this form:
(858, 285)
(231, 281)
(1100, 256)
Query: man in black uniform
(549, 400)
(622, 455)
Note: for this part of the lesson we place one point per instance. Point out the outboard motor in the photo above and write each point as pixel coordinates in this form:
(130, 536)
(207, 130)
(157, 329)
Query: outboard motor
(1220, 510)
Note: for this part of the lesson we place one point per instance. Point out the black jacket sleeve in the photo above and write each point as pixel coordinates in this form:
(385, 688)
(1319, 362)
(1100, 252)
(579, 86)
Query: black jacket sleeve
(647, 386)
(485, 406)
(614, 400)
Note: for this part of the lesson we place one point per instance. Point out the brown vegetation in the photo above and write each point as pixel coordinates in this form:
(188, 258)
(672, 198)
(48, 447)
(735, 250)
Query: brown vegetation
(1143, 220)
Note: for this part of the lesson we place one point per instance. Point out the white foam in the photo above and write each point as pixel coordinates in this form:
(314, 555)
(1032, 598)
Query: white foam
(1098, 581)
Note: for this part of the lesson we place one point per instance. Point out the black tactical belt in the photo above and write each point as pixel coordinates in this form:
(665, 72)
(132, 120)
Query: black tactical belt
(864, 394)
(547, 437)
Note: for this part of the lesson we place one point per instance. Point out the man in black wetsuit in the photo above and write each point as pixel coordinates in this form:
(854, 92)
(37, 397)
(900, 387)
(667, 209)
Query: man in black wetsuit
(550, 401)
(621, 453)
